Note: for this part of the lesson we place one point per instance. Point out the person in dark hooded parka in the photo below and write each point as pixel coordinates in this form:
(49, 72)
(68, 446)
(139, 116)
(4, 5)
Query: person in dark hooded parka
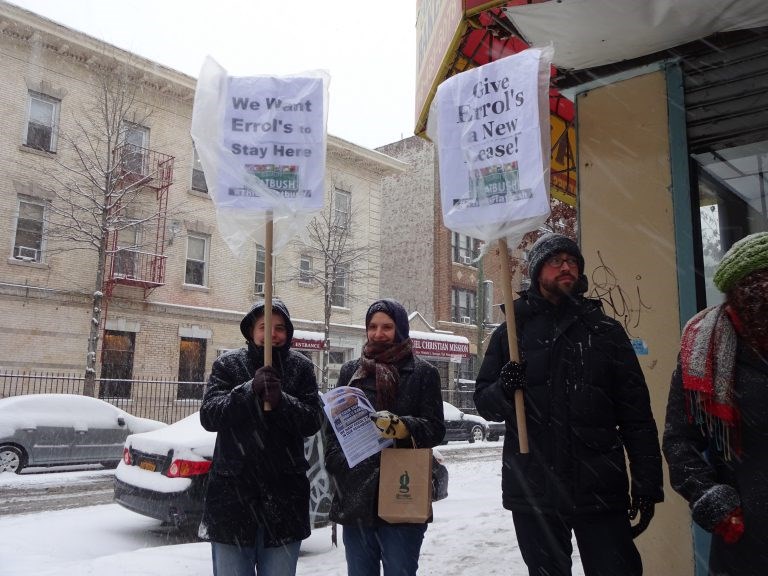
(587, 409)
(257, 500)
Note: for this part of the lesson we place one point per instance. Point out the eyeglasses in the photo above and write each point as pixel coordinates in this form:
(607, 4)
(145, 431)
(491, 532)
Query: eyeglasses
(557, 262)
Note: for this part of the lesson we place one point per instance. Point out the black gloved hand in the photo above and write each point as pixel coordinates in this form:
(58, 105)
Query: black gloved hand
(513, 378)
(267, 386)
(645, 508)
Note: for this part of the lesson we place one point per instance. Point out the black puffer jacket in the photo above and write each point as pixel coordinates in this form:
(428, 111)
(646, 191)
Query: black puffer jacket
(700, 480)
(258, 476)
(586, 403)
(419, 404)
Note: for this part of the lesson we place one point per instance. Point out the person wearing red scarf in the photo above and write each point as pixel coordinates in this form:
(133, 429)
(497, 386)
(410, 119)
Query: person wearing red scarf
(716, 432)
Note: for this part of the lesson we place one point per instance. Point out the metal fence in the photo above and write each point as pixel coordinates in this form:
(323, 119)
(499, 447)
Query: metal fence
(158, 399)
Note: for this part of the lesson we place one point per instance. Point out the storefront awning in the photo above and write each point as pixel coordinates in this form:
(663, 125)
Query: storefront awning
(306, 340)
(439, 345)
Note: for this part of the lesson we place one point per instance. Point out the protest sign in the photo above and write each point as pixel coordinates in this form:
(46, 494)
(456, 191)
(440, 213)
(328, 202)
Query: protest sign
(261, 141)
(493, 152)
(491, 128)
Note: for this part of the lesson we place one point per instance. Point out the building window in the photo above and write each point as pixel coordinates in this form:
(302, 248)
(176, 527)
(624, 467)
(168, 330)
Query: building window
(28, 244)
(336, 357)
(42, 117)
(305, 270)
(198, 176)
(191, 368)
(117, 364)
(340, 288)
(127, 256)
(465, 249)
(197, 260)
(342, 208)
(134, 158)
(463, 306)
(467, 368)
(261, 269)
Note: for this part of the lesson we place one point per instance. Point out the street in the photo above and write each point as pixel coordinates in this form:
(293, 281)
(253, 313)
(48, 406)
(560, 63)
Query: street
(48, 490)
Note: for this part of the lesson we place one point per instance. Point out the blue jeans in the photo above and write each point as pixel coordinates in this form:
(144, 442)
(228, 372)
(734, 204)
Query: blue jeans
(231, 560)
(397, 547)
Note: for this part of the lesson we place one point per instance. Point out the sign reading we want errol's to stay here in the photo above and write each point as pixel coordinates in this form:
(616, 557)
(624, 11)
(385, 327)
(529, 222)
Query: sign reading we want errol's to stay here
(274, 132)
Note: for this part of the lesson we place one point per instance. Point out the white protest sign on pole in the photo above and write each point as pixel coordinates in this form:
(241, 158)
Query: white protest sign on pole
(491, 128)
(493, 153)
(262, 143)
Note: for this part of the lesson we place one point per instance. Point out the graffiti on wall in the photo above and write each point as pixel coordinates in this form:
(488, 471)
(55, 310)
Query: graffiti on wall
(623, 304)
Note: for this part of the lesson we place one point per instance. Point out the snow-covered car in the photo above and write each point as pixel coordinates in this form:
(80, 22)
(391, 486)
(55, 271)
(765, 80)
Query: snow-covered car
(64, 429)
(462, 426)
(164, 473)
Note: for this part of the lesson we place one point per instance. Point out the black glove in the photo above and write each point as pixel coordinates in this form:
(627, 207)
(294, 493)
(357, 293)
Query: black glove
(266, 385)
(513, 378)
(645, 508)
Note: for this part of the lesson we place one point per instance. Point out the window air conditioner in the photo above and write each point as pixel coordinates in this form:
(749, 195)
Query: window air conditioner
(26, 254)
(259, 288)
(465, 320)
(466, 260)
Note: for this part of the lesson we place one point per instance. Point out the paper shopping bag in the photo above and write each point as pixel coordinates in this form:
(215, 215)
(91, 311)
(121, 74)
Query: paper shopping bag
(405, 485)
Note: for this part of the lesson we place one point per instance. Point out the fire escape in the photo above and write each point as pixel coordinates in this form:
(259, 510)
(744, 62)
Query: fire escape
(136, 237)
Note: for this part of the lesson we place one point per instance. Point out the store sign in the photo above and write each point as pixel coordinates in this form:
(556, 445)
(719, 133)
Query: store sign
(440, 348)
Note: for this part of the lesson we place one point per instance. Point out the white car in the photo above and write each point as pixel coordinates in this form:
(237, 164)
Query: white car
(164, 473)
(60, 429)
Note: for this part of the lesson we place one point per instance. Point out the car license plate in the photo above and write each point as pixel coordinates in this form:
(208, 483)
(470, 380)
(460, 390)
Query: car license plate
(146, 465)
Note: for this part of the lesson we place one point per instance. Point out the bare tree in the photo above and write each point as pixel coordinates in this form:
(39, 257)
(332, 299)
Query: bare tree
(343, 267)
(99, 186)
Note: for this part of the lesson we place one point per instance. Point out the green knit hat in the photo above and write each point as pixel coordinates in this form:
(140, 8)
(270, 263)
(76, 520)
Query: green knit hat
(745, 256)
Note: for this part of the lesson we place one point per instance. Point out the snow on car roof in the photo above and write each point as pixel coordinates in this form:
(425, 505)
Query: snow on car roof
(187, 437)
(56, 410)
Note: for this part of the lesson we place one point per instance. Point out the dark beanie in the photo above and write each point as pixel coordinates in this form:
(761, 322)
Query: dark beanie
(547, 246)
(394, 310)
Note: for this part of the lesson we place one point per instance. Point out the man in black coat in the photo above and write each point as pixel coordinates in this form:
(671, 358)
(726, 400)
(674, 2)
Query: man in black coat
(586, 404)
(257, 499)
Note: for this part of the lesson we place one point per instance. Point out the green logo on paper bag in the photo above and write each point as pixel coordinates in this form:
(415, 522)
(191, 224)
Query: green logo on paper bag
(404, 481)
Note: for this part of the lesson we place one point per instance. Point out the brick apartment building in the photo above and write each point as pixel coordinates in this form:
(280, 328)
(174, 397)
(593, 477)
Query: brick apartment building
(173, 291)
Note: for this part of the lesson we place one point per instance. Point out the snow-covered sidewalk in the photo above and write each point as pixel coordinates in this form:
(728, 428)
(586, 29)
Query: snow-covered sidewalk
(471, 535)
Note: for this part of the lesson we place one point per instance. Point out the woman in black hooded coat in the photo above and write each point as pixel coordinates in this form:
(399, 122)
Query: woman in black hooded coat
(407, 388)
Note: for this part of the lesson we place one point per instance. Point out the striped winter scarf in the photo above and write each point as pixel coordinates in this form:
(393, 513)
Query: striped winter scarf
(708, 357)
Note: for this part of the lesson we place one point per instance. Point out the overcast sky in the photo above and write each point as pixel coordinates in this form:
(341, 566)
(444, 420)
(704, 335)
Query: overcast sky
(367, 46)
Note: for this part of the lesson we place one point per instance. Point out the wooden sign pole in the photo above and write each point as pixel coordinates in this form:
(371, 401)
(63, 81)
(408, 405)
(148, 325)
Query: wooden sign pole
(268, 297)
(514, 354)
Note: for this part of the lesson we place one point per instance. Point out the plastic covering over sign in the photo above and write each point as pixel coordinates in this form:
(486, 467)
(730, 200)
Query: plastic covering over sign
(262, 142)
(491, 127)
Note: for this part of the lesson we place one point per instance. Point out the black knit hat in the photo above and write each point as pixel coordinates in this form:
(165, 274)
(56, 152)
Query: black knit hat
(394, 310)
(257, 311)
(548, 246)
